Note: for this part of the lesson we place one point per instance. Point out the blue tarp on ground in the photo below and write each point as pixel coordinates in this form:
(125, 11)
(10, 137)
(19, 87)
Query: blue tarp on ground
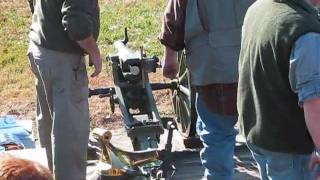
(12, 132)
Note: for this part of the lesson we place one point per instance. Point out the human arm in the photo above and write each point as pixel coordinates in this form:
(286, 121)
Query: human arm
(304, 75)
(172, 31)
(172, 35)
(78, 23)
(170, 63)
(312, 116)
(90, 46)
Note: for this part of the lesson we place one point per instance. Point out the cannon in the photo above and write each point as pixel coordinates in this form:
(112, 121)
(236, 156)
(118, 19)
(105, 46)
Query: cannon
(132, 92)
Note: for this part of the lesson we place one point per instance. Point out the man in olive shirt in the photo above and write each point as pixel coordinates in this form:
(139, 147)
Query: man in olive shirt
(62, 32)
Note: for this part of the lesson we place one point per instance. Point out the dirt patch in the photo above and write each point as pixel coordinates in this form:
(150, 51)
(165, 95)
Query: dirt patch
(22, 109)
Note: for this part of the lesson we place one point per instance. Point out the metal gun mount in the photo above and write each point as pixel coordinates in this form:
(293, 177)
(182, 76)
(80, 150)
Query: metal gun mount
(132, 91)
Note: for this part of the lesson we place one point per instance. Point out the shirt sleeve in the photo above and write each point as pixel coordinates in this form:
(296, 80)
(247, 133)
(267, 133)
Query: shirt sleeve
(304, 71)
(76, 19)
(172, 32)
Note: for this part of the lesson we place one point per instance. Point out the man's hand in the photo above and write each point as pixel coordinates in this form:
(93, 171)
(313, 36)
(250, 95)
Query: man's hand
(314, 162)
(95, 60)
(90, 46)
(170, 63)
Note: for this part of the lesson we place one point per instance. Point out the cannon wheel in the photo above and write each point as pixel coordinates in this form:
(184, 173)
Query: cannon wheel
(183, 99)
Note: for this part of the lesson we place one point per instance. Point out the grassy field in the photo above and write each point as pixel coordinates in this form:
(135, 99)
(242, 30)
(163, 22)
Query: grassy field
(15, 78)
(142, 18)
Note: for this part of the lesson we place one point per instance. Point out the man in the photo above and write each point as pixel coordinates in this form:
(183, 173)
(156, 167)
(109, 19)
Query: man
(278, 76)
(62, 31)
(210, 32)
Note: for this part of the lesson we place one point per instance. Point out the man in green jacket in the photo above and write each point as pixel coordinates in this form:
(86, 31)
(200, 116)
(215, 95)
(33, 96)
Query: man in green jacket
(278, 92)
(62, 32)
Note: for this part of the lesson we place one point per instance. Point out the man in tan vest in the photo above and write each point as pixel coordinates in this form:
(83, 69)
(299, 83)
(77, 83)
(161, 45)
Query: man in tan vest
(210, 31)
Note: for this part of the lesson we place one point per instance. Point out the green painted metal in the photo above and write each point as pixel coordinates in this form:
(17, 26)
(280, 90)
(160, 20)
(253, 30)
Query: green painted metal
(132, 92)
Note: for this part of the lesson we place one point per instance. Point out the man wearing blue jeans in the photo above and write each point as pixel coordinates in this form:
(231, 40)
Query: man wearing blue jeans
(210, 32)
(279, 88)
(217, 133)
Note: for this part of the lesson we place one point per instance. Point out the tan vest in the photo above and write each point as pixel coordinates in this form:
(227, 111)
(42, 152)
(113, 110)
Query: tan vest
(212, 38)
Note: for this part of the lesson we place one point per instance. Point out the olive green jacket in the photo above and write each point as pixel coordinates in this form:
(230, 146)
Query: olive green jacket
(269, 113)
(58, 24)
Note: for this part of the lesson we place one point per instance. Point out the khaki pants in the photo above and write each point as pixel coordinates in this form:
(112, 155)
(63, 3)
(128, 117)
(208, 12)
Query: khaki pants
(62, 110)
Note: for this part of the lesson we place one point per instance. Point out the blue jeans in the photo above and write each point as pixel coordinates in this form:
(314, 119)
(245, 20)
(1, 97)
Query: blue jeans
(281, 166)
(217, 134)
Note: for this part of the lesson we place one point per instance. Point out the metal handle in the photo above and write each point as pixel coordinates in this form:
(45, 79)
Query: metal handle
(101, 91)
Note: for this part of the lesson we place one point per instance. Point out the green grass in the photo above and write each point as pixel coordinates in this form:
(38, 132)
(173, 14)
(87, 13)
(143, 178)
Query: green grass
(142, 18)
(15, 78)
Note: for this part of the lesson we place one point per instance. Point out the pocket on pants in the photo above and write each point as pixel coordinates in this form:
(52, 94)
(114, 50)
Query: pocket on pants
(32, 63)
(280, 164)
(275, 162)
(79, 86)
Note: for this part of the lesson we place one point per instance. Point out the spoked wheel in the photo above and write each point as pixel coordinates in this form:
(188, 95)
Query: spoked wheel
(183, 99)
